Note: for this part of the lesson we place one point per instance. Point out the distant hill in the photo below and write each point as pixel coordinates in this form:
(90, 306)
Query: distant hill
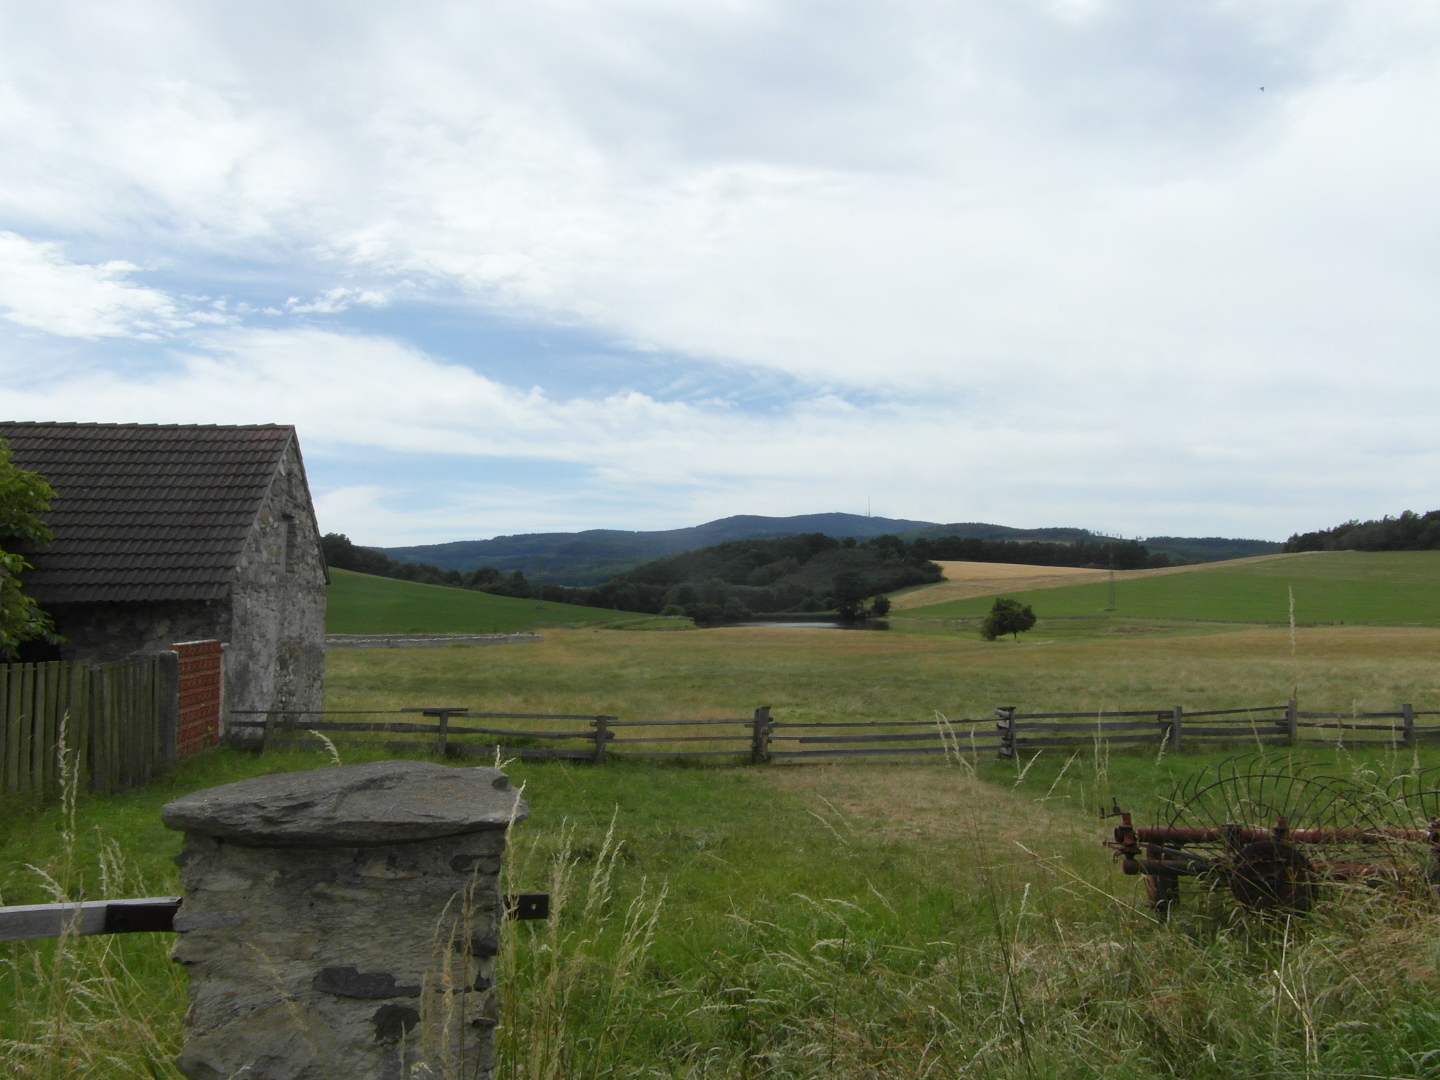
(597, 555)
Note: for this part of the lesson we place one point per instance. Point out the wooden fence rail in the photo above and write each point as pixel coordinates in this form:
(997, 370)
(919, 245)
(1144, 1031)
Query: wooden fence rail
(116, 723)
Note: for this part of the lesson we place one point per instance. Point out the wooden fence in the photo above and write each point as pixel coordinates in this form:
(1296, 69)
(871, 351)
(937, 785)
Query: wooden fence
(742, 736)
(116, 722)
(761, 738)
(1259, 726)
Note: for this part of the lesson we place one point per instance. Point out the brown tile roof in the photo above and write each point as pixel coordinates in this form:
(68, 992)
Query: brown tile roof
(145, 511)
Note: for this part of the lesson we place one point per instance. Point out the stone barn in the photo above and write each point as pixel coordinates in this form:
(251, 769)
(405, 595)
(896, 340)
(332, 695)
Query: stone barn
(171, 533)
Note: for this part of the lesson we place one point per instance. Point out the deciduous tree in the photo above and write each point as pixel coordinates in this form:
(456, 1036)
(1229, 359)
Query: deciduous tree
(1007, 617)
(24, 496)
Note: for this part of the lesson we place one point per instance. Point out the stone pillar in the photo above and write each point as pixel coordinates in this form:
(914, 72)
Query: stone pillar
(342, 923)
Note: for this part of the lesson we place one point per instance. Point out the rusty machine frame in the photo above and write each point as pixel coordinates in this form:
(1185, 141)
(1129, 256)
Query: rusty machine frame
(1272, 833)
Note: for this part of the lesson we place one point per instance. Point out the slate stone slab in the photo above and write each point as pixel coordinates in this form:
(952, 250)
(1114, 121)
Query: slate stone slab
(380, 802)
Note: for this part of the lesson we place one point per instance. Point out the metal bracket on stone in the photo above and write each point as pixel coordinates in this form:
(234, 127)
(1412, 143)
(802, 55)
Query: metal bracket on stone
(529, 905)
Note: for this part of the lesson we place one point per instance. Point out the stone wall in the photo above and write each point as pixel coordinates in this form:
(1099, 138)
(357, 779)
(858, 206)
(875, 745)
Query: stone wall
(112, 631)
(276, 658)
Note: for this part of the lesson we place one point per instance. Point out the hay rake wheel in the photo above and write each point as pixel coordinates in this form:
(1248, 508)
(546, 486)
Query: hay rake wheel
(1270, 833)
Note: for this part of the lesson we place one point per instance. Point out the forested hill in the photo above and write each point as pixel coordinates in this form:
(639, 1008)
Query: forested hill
(816, 572)
(807, 573)
(595, 556)
(1408, 532)
(811, 572)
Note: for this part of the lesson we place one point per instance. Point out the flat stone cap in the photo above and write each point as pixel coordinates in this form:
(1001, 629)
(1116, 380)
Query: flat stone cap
(379, 802)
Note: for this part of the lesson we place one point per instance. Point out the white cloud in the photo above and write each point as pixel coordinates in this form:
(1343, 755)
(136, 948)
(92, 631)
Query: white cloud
(633, 461)
(334, 301)
(41, 290)
(1077, 219)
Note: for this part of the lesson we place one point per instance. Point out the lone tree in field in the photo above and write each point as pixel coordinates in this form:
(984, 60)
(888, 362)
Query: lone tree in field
(24, 496)
(1007, 617)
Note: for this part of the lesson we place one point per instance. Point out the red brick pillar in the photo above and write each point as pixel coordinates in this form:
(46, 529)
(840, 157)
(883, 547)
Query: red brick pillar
(202, 682)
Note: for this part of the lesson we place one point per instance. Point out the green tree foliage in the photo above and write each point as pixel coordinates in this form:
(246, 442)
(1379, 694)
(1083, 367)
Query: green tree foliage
(1408, 532)
(1007, 617)
(1115, 554)
(24, 496)
(343, 554)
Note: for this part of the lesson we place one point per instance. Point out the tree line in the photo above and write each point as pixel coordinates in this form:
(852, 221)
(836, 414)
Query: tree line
(808, 573)
(1408, 532)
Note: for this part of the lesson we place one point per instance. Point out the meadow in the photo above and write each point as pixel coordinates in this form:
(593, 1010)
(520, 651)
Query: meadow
(864, 920)
(1380, 588)
(366, 604)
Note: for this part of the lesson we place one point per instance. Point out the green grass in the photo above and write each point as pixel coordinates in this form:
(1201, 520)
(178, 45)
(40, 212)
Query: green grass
(367, 604)
(1389, 588)
(886, 921)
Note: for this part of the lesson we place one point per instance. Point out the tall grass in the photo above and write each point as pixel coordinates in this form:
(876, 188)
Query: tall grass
(95, 1006)
(1058, 977)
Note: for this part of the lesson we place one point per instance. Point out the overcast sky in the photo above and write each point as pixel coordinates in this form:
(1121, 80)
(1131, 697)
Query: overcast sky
(1146, 267)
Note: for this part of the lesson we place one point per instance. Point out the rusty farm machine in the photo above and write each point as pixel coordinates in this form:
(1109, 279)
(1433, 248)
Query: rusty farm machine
(1273, 834)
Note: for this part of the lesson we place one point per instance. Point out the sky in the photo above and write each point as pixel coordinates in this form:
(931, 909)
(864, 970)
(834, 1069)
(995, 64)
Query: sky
(1141, 266)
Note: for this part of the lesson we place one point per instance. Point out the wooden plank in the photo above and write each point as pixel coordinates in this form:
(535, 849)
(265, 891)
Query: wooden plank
(852, 752)
(516, 715)
(742, 737)
(401, 727)
(1234, 720)
(681, 753)
(1127, 725)
(1355, 727)
(1081, 715)
(1350, 716)
(27, 727)
(1229, 712)
(747, 721)
(9, 733)
(873, 723)
(1081, 740)
(910, 736)
(523, 752)
(48, 683)
(1236, 732)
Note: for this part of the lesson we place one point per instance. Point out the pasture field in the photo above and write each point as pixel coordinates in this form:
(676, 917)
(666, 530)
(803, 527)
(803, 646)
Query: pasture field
(1394, 588)
(886, 921)
(367, 604)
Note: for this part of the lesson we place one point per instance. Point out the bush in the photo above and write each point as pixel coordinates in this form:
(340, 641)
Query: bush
(1007, 617)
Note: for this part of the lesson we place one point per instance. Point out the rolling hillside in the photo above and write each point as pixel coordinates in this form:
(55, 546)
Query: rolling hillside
(1381, 588)
(365, 604)
(596, 555)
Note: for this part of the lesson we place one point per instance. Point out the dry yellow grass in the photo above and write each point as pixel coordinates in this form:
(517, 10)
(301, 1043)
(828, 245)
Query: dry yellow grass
(966, 579)
(944, 805)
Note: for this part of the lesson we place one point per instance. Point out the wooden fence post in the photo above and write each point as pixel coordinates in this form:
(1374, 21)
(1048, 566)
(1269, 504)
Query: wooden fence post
(269, 732)
(760, 736)
(602, 733)
(1292, 720)
(444, 734)
(1177, 716)
(1407, 713)
(1006, 724)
